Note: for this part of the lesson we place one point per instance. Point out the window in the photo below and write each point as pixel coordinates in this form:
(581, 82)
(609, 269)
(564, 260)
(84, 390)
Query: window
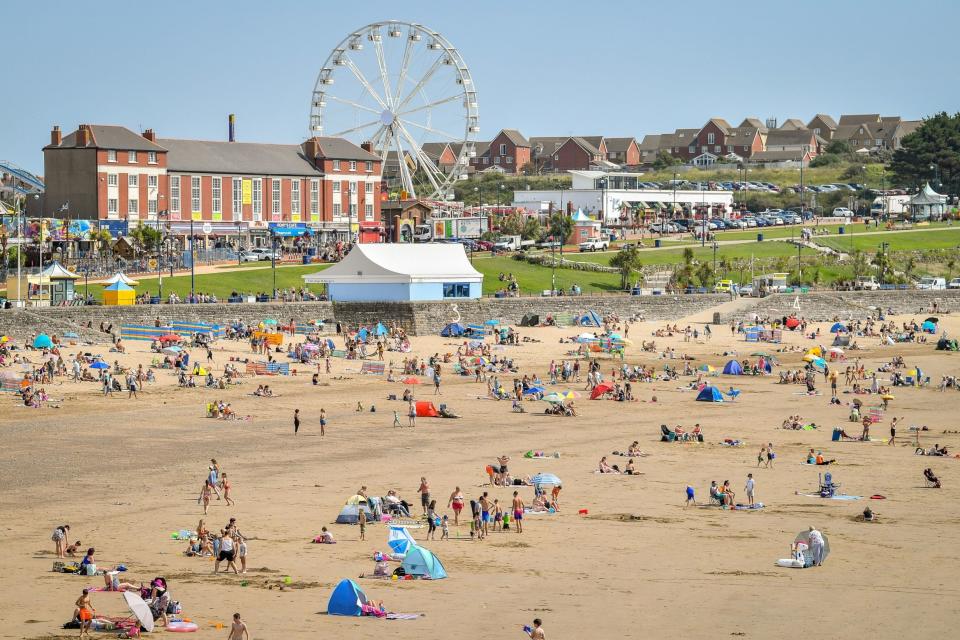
(216, 185)
(486, 160)
(152, 207)
(275, 197)
(456, 290)
(729, 148)
(112, 206)
(151, 157)
(336, 186)
(369, 166)
(152, 182)
(718, 149)
(879, 142)
(132, 157)
(353, 165)
(295, 196)
(556, 157)
(195, 193)
(816, 131)
(336, 165)
(368, 188)
(336, 209)
(257, 198)
(353, 210)
(496, 160)
(503, 149)
(175, 194)
(133, 206)
(509, 159)
(132, 180)
(111, 156)
(692, 149)
(112, 180)
(314, 196)
(368, 212)
(711, 137)
(236, 202)
(353, 186)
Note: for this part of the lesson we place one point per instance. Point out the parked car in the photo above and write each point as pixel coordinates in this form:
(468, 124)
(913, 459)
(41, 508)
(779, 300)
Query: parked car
(954, 284)
(484, 245)
(842, 212)
(257, 254)
(930, 283)
(746, 289)
(866, 283)
(597, 244)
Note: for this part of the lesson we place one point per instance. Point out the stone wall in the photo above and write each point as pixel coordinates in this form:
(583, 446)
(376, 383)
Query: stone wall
(429, 317)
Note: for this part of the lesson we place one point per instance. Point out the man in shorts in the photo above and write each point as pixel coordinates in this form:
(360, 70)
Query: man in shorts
(518, 511)
(485, 513)
(749, 488)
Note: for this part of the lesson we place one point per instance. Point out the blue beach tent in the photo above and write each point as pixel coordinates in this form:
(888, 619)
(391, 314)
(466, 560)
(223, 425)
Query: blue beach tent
(346, 599)
(452, 330)
(733, 368)
(710, 394)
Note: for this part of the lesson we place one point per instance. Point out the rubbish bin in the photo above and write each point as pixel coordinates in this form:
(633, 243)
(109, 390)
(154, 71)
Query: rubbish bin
(154, 299)
(312, 251)
(656, 243)
(307, 259)
(759, 237)
(716, 317)
(841, 230)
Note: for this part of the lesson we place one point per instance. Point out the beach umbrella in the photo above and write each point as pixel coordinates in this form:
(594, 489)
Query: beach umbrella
(545, 478)
(887, 396)
(99, 364)
(929, 327)
(619, 340)
(310, 347)
(139, 609)
(759, 354)
(838, 327)
(410, 380)
(553, 398)
(706, 368)
(586, 337)
(4, 339)
(169, 337)
(42, 341)
(600, 389)
(533, 391)
(792, 323)
(171, 351)
(270, 321)
(569, 395)
(819, 363)
(836, 350)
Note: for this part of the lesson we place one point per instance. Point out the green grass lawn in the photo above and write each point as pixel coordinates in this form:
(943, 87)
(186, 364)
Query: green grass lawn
(534, 279)
(223, 284)
(675, 256)
(899, 241)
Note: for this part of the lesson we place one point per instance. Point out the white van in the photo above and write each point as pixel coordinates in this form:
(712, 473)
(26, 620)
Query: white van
(930, 283)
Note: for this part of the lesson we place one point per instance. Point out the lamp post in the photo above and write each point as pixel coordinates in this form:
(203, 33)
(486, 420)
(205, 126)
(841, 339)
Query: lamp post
(673, 211)
(273, 260)
(714, 259)
(192, 261)
(479, 191)
(883, 262)
(160, 214)
(799, 265)
(603, 200)
(238, 243)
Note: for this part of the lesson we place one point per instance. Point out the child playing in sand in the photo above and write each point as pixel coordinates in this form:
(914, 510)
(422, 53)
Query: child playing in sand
(445, 528)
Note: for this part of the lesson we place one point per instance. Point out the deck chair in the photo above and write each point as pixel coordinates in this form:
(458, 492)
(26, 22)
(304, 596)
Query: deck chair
(666, 435)
(828, 488)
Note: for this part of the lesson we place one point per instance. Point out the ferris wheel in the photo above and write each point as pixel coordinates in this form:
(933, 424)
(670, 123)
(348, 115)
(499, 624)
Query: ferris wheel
(398, 85)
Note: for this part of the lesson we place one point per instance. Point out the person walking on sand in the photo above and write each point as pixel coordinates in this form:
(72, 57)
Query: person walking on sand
(893, 430)
(518, 511)
(749, 487)
(85, 612)
(424, 494)
(323, 422)
(296, 421)
(456, 501)
(205, 496)
(362, 521)
(436, 380)
(238, 630)
(690, 498)
(396, 419)
(770, 455)
(411, 414)
(761, 456)
(225, 485)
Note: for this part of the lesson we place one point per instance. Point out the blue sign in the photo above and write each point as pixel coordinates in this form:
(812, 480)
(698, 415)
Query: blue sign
(289, 230)
(117, 228)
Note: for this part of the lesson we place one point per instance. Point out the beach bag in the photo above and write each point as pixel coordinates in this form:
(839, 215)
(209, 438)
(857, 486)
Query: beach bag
(399, 572)
(436, 522)
(91, 569)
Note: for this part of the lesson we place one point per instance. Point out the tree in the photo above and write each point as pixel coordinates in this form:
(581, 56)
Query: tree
(531, 228)
(909, 266)
(628, 262)
(826, 160)
(705, 274)
(684, 275)
(936, 144)
(561, 226)
(511, 225)
(839, 148)
(146, 238)
(859, 264)
(881, 260)
(664, 160)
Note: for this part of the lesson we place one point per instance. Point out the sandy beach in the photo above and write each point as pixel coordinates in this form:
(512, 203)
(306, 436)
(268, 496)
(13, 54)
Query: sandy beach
(622, 558)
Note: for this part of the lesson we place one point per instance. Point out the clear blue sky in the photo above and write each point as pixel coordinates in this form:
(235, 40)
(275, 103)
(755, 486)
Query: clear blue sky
(560, 67)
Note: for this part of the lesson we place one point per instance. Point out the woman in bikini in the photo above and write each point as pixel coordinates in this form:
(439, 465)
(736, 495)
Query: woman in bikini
(225, 485)
(456, 501)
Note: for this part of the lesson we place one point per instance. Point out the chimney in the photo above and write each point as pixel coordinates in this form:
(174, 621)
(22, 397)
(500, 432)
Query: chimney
(367, 146)
(231, 128)
(55, 136)
(150, 135)
(311, 148)
(83, 135)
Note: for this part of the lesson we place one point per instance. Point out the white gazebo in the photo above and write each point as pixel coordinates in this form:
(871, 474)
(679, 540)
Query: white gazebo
(927, 204)
(401, 272)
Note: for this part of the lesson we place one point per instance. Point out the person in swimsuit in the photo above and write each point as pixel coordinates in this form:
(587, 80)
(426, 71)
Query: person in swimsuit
(85, 612)
(485, 508)
(205, 495)
(503, 460)
(424, 494)
(238, 630)
(518, 511)
(323, 422)
(225, 484)
(296, 421)
(456, 501)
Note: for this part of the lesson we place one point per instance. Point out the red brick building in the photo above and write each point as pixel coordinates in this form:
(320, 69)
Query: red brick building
(509, 151)
(326, 185)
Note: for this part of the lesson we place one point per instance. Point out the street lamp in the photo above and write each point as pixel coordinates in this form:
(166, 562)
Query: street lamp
(273, 261)
(603, 200)
(192, 261)
(479, 191)
(160, 214)
(239, 241)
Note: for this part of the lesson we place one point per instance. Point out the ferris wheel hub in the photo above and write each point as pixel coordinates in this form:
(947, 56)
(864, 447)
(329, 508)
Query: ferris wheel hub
(387, 117)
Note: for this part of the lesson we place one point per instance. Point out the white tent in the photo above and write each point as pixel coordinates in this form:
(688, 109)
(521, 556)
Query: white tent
(121, 277)
(401, 272)
(56, 271)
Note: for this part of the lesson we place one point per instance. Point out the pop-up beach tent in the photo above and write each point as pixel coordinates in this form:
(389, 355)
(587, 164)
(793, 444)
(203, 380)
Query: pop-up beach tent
(733, 368)
(710, 394)
(42, 341)
(347, 599)
(838, 327)
(350, 514)
(590, 319)
(452, 330)
(426, 409)
(422, 562)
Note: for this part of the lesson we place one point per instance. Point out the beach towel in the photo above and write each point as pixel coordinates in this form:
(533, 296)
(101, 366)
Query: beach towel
(748, 507)
(402, 616)
(833, 497)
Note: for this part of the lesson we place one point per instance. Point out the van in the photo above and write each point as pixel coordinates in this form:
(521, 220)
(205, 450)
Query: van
(930, 283)
(723, 286)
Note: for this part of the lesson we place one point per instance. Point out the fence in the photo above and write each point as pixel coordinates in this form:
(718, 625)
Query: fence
(373, 368)
(268, 368)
